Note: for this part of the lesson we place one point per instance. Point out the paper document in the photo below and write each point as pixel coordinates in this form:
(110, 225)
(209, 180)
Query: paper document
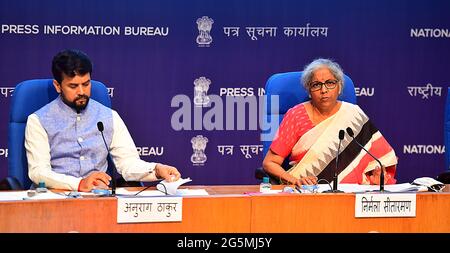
(192, 192)
(352, 188)
(146, 193)
(12, 195)
(122, 192)
(170, 188)
(29, 195)
(47, 195)
(406, 187)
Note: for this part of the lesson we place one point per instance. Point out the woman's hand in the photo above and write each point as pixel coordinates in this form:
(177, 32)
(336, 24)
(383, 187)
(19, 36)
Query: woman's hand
(309, 180)
(374, 178)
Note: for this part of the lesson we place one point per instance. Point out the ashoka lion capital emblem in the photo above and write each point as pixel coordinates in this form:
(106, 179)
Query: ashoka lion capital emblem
(199, 145)
(201, 87)
(204, 25)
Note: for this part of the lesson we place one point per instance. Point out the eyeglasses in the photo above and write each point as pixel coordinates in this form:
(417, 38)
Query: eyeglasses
(330, 84)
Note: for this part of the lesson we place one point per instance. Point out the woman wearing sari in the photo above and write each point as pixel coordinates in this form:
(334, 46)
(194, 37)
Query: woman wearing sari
(309, 133)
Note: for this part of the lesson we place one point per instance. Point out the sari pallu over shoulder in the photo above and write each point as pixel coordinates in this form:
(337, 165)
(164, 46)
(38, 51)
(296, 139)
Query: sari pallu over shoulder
(320, 158)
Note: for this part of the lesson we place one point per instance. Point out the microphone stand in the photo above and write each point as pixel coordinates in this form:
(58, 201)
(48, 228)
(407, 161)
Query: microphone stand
(350, 132)
(113, 174)
(110, 161)
(335, 178)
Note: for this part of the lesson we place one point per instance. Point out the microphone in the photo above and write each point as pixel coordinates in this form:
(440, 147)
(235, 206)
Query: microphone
(350, 133)
(335, 178)
(113, 166)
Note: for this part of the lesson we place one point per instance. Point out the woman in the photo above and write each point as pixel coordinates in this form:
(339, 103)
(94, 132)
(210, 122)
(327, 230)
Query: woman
(309, 134)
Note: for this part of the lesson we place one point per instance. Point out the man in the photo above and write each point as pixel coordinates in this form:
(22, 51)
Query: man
(64, 146)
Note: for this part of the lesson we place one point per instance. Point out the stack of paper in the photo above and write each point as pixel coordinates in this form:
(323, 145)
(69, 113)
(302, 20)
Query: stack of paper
(352, 188)
(170, 188)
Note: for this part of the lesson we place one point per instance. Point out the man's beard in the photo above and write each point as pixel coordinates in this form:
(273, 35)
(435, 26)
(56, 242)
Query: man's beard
(73, 104)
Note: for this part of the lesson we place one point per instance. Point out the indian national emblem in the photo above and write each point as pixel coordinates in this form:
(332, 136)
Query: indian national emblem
(199, 146)
(204, 25)
(201, 87)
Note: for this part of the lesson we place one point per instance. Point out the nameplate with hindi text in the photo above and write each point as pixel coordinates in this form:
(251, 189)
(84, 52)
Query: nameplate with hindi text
(152, 209)
(385, 205)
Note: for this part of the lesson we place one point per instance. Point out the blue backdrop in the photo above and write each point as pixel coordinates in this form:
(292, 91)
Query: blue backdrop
(148, 52)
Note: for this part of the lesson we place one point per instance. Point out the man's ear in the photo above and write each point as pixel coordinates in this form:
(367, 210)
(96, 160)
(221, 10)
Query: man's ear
(57, 86)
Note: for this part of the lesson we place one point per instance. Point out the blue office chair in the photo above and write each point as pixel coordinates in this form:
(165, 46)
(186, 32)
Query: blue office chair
(290, 92)
(447, 131)
(445, 176)
(28, 97)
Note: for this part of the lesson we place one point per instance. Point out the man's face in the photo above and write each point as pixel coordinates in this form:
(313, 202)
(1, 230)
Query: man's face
(75, 91)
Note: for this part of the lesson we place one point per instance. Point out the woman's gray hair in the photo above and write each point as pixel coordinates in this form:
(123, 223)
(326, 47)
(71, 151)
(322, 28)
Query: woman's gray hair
(334, 68)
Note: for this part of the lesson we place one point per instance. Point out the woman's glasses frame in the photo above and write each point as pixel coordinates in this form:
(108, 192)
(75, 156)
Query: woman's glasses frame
(329, 84)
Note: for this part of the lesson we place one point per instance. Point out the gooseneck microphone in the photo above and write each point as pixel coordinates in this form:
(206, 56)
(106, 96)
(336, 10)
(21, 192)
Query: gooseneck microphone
(350, 133)
(113, 166)
(335, 178)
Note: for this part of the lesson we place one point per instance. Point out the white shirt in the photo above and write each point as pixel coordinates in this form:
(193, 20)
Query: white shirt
(123, 151)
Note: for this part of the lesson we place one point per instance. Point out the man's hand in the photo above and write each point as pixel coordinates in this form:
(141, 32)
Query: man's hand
(96, 180)
(167, 172)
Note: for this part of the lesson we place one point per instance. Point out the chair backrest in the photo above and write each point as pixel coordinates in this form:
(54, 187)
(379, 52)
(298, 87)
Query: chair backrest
(291, 92)
(447, 131)
(28, 97)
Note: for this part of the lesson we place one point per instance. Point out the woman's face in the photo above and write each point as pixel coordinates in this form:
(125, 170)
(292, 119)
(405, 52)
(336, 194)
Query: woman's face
(324, 88)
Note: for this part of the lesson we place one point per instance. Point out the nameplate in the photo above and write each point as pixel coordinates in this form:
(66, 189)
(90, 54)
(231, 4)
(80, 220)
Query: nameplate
(154, 209)
(385, 205)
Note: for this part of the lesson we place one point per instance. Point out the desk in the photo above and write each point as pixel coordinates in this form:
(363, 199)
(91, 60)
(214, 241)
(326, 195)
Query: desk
(227, 210)
(335, 213)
